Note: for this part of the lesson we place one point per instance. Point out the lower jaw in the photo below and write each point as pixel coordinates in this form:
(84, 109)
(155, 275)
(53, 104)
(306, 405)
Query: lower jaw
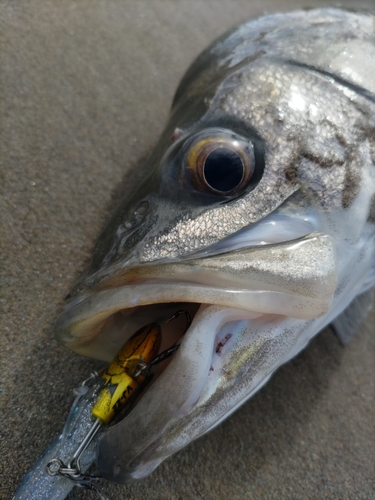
(203, 384)
(213, 359)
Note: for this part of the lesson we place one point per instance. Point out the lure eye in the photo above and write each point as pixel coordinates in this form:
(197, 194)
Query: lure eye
(219, 162)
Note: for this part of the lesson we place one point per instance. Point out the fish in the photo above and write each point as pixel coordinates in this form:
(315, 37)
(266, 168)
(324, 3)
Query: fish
(255, 214)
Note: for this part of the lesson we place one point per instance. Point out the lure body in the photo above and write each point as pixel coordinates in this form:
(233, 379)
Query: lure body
(121, 384)
(256, 214)
(100, 399)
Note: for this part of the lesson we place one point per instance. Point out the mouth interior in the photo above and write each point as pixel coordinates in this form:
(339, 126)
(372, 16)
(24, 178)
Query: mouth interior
(204, 348)
(294, 279)
(174, 326)
(120, 326)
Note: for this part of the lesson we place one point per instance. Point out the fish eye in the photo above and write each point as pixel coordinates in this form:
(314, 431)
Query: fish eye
(219, 162)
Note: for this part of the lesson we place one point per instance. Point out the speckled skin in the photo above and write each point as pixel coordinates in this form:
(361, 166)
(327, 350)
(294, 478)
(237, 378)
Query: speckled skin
(302, 87)
(316, 129)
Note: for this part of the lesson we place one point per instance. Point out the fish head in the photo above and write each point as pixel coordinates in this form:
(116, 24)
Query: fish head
(247, 215)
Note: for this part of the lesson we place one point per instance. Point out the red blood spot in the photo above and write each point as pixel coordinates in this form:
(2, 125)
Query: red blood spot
(221, 344)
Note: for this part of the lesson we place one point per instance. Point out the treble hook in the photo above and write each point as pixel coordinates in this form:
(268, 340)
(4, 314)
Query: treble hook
(142, 367)
(178, 313)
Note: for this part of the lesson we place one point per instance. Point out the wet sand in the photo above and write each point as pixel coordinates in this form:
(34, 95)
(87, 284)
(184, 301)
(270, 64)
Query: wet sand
(87, 87)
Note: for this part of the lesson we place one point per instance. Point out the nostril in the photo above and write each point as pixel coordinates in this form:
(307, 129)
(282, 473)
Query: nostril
(142, 208)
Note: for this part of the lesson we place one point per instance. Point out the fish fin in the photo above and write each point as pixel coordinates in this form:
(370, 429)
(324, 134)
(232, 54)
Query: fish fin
(347, 323)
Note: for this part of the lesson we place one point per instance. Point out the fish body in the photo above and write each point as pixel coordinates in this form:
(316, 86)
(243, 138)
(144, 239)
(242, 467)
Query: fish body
(255, 213)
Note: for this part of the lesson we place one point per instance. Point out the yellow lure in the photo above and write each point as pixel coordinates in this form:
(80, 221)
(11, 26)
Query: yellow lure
(121, 380)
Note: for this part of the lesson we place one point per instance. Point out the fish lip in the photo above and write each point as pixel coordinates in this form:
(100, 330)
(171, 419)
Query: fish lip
(266, 285)
(276, 228)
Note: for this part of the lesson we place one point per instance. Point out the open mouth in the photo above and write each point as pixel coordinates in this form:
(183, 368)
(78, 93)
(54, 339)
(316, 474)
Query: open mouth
(241, 303)
(293, 279)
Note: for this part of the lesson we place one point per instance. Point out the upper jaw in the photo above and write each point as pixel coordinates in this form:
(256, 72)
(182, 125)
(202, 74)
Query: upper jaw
(296, 279)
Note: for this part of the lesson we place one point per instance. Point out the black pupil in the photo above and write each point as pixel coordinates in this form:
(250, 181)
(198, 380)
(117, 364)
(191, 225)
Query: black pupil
(223, 169)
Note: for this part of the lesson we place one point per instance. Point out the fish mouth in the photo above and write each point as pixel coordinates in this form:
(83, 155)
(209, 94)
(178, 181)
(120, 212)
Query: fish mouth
(271, 267)
(261, 286)
(295, 278)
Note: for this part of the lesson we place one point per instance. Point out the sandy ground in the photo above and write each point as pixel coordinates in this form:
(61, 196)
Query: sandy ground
(87, 86)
